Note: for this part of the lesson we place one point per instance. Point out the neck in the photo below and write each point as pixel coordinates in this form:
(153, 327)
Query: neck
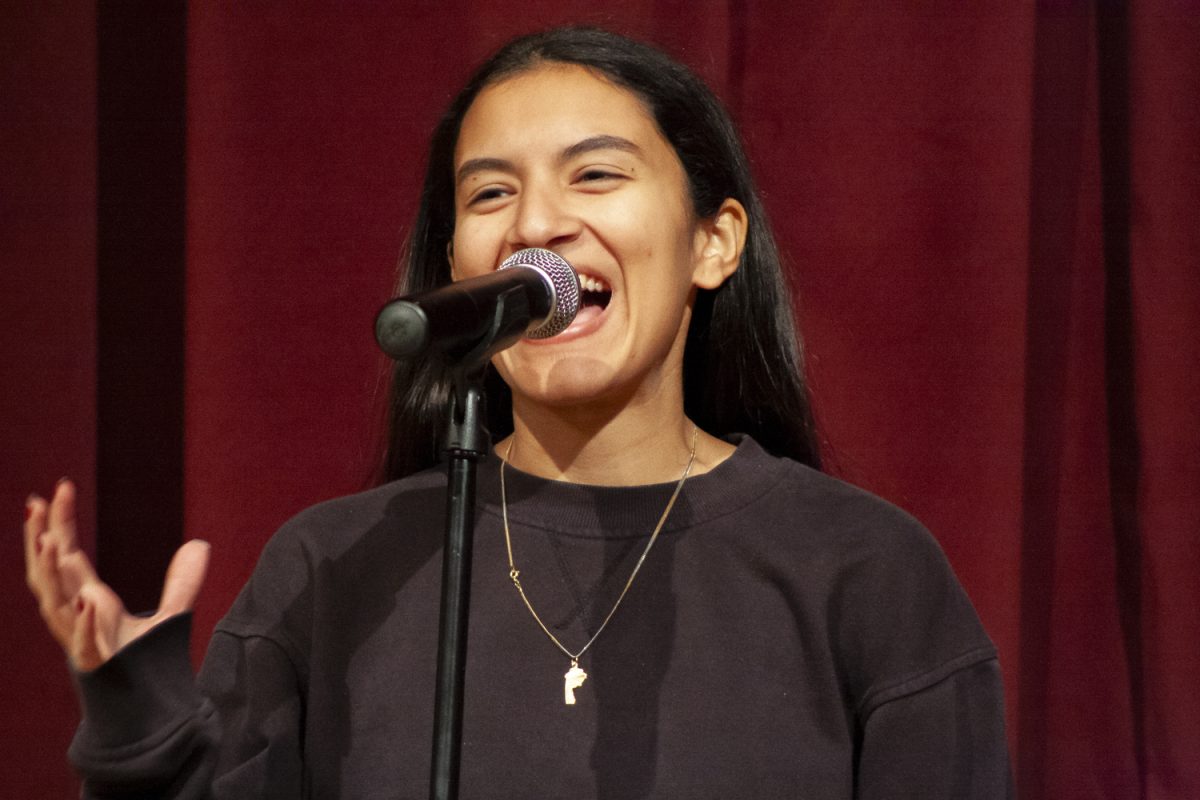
(630, 448)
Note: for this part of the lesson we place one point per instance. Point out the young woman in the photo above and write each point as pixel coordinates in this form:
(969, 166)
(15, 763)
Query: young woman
(669, 599)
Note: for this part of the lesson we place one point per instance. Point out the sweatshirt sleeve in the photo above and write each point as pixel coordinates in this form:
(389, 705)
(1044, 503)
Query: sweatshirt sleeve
(921, 671)
(146, 727)
(150, 729)
(942, 742)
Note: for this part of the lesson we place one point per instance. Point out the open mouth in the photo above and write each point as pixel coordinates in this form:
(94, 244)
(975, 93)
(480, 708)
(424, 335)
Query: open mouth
(594, 293)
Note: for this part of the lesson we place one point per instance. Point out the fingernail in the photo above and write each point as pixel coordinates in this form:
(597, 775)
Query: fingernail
(62, 480)
(39, 543)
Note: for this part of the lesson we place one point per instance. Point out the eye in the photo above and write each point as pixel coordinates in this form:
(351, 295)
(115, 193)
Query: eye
(487, 194)
(599, 176)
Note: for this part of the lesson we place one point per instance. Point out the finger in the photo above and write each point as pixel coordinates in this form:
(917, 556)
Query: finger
(61, 517)
(108, 617)
(73, 571)
(85, 652)
(35, 525)
(48, 588)
(63, 591)
(184, 578)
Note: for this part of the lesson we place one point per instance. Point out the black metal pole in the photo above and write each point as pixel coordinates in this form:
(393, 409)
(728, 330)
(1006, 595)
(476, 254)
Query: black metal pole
(466, 443)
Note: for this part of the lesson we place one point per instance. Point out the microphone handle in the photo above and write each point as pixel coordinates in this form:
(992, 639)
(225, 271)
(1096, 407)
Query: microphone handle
(453, 319)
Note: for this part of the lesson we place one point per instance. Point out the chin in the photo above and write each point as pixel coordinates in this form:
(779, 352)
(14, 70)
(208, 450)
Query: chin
(565, 383)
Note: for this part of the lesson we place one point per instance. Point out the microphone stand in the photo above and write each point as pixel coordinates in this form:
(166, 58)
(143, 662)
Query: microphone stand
(466, 443)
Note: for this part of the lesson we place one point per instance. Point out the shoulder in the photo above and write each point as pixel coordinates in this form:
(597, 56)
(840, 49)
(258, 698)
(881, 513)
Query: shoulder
(808, 508)
(896, 615)
(328, 528)
(861, 553)
(342, 541)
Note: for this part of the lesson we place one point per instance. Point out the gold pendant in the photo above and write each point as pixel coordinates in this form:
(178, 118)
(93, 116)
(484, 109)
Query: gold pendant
(573, 680)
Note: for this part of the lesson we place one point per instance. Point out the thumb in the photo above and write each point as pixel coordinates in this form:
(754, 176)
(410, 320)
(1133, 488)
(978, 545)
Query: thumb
(184, 578)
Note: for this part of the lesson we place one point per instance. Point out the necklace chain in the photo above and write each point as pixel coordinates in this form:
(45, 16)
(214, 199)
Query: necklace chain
(515, 574)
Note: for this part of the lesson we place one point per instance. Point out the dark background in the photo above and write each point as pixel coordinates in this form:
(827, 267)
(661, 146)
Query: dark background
(990, 211)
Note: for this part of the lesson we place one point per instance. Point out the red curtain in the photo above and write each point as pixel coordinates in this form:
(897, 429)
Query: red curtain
(989, 212)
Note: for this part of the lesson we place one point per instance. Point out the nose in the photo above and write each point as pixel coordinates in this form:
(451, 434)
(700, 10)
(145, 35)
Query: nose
(542, 219)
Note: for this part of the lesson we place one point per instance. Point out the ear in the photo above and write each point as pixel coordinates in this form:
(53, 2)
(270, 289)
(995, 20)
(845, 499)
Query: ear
(718, 245)
(450, 259)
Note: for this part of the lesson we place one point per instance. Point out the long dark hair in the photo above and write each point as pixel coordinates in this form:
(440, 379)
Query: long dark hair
(743, 368)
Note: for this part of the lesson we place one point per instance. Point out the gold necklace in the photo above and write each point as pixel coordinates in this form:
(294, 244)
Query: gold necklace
(575, 676)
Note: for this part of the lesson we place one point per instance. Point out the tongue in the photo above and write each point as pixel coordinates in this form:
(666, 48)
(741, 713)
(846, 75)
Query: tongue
(585, 314)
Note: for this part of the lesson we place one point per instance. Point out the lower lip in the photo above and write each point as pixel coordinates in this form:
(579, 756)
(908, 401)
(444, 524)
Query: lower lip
(586, 322)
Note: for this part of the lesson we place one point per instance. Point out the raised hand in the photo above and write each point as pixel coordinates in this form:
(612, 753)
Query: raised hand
(81, 611)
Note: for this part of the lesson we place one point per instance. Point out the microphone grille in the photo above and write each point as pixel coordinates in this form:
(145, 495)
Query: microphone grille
(564, 287)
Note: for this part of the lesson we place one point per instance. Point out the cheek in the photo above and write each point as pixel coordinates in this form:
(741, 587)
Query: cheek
(664, 227)
(472, 256)
(667, 255)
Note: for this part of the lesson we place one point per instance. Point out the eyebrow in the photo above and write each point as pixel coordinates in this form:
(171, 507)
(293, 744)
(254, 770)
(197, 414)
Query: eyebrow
(602, 142)
(588, 145)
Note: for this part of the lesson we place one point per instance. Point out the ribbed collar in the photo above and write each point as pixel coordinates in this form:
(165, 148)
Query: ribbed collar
(583, 510)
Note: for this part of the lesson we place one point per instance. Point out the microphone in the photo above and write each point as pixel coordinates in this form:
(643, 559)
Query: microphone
(534, 294)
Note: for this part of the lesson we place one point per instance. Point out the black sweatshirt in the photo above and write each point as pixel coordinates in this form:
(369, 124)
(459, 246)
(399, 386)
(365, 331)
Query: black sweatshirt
(788, 636)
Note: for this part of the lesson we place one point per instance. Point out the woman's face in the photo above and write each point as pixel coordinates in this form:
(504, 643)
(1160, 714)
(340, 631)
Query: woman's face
(559, 158)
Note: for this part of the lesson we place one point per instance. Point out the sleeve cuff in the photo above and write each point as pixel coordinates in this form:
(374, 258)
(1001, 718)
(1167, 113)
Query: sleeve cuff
(143, 691)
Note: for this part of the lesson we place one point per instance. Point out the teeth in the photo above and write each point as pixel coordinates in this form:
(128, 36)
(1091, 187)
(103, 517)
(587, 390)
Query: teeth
(590, 284)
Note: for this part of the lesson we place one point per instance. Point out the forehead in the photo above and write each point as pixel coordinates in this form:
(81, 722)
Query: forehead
(553, 106)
